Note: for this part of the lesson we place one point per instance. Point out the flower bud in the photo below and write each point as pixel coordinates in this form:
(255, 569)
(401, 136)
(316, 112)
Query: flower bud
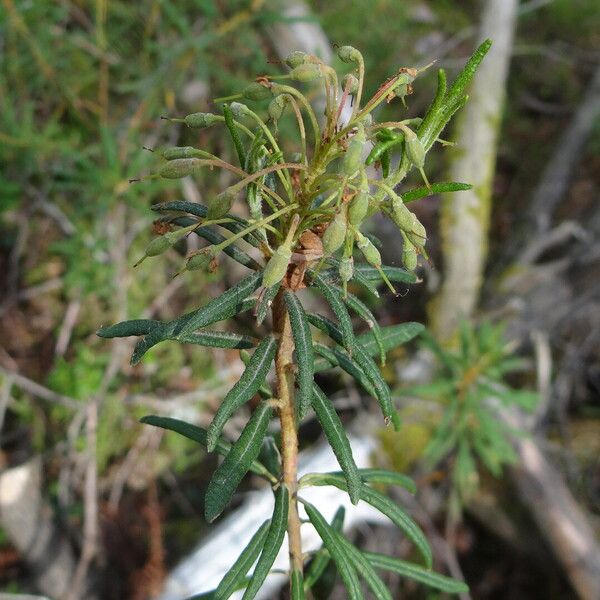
(350, 83)
(296, 58)
(277, 106)
(277, 266)
(179, 167)
(221, 204)
(256, 91)
(368, 249)
(201, 120)
(414, 148)
(161, 244)
(348, 54)
(417, 235)
(403, 218)
(346, 269)
(335, 234)
(306, 72)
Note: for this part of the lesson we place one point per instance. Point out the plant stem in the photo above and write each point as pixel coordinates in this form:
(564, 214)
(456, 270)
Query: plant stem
(284, 367)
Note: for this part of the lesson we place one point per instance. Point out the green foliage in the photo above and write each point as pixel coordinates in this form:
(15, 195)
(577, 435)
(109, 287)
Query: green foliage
(469, 430)
(299, 223)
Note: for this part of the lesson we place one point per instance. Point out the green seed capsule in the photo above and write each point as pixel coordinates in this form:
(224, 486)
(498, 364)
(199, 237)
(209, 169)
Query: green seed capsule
(306, 72)
(403, 218)
(161, 244)
(346, 269)
(335, 234)
(353, 157)
(201, 120)
(277, 106)
(256, 91)
(414, 149)
(357, 211)
(180, 152)
(296, 58)
(198, 260)
(417, 235)
(350, 83)
(179, 167)
(348, 54)
(369, 251)
(239, 110)
(409, 253)
(221, 204)
(277, 266)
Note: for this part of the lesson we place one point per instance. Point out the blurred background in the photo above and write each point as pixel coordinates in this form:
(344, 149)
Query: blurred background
(95, 505)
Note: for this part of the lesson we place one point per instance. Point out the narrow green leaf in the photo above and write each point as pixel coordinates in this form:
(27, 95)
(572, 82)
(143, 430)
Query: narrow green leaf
(228, 304)
(381, 503)
(235, 136)
(364, 568)
(321, 559)
(245, 388)
(392, 337)
(364, 312)
(214, 237)
(434, 107)
(297, 586)
(199, 435)
(336, 357)
(217, 339)
(435, 188)
(366, 363)
(417, 573)
(270, 456)
(334, 299)
(231, 471)
(336, 551)
(272, 544)
(265, 301)
(332, 275)
(127, 328)
(397, 274)
(237, 574)
(336, 436)
(304, 352)
(386, 477)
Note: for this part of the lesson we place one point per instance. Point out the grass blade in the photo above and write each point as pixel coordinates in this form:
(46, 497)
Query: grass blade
(336, 551)
(230, 473)
(199, 435)
(304, 352)
(237, 574)
(336, 436)
(417, 573)
(272, 544)
(245, 388)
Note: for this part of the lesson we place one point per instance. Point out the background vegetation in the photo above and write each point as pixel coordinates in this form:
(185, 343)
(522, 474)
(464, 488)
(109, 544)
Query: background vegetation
(82, 87)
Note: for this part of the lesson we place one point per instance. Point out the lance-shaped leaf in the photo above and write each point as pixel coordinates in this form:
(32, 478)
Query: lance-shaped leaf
(364, 568)
(228, 304)
(214, 237)
(332, 275)
(127, 328)
(231, 471)
(381, 503)
(272, 544)
(336, 436)
(246, 386)
(234, 223)
(297, 586)
(365, 362)
(304, 351)
(435, 188)
(217, 339)
(334, 299)
(336, 357)
(392, 337)
(199, 435)
(265, 301)
(435, 106)
(321, 558)
(237, 574)
(384, 476)
(417, 573)
(336, 551)
(396, 274)
(364, 312)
